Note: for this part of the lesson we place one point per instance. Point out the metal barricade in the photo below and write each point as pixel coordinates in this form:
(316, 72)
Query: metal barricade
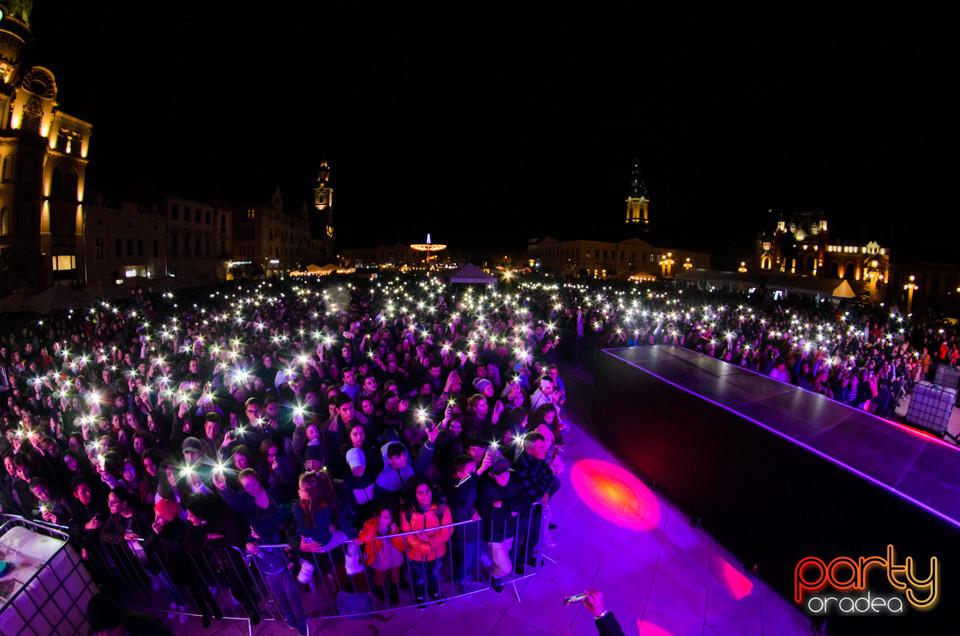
(464, 568)
(279, 583)
(44, 591)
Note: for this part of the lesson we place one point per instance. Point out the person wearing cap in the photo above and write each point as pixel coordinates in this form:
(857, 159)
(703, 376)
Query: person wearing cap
(500, 502)
(360, 482)
(107, 619)
(397, 468)
(538, 482)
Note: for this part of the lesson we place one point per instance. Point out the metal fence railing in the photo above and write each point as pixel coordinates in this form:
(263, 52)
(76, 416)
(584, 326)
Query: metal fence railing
(277, 582)
(45, 589)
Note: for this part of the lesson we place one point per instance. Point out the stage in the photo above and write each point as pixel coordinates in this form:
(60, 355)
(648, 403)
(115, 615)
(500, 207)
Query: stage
(779, 474)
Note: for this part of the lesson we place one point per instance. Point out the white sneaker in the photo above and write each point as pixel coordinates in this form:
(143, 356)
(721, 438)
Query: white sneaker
(549, 542)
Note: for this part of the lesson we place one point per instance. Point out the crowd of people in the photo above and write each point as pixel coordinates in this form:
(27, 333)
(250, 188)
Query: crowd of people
(367, 414)
(868, 357)
(263, 414)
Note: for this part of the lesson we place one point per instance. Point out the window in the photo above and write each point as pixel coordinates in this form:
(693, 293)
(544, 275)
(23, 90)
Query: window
(196, 215)
(5, 219)
(100, 247)
(129, 247)
(173, 245)
(208, 247)
(118, 248)
(8, 168)
(209, 217)
(156, 248)
(139, 247)
(175, 211)
(70, 184)
(64, 262)
(57, 180)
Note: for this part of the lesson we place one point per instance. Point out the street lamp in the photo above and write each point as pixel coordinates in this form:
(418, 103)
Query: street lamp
(910, 287)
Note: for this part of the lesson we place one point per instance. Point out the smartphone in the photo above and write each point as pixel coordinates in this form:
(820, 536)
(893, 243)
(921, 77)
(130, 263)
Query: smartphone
(576, 598)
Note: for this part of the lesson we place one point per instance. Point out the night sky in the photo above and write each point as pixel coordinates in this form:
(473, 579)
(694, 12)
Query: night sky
(492, 125)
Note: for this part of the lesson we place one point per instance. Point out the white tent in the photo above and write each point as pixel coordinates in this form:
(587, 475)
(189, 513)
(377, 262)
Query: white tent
(470, 274)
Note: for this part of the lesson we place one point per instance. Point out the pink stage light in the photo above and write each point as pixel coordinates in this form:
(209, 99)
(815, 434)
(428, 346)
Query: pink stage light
(646, 628)
(733, 580)
(615, 494)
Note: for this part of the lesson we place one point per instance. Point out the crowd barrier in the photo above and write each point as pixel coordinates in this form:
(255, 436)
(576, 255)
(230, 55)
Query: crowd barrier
(348, 580)
(44, 588)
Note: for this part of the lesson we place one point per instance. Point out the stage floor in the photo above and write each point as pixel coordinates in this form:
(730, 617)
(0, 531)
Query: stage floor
(911, 463)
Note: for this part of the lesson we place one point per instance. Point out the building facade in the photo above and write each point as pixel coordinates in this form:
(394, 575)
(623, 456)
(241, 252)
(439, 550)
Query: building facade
(123, 241)
(270, 240)
(803, 245)
(43, 160)
(622, 259)
(199, 238)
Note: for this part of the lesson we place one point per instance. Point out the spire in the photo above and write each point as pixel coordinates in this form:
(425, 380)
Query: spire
(637, 200)
(637, 187)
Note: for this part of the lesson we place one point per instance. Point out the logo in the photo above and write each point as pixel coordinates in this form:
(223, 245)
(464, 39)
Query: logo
(841, 586)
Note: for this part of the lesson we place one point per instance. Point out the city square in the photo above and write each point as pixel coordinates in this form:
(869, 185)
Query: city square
(607, 328)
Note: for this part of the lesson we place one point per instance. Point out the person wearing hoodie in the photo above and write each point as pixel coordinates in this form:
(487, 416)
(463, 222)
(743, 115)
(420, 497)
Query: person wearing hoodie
(397, 469)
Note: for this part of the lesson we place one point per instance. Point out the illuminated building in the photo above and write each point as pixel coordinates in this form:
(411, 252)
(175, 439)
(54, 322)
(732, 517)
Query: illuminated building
(42, 170)
(803, 245)
(601, 259)
(269, 240)
(633, 258)
(322, 233)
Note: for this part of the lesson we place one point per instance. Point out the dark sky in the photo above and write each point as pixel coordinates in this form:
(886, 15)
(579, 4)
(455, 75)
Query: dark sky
(491, 125)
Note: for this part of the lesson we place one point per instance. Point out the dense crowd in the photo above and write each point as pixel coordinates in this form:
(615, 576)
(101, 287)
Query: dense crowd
(318, 414)
(865, 356)
(266, 413)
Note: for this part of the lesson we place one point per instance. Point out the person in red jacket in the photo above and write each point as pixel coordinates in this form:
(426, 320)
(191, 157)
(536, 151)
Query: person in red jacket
(423, 513)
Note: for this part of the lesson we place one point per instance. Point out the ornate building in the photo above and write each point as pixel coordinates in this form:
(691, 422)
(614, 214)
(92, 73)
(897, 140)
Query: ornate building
(803, 245)
(43, 169)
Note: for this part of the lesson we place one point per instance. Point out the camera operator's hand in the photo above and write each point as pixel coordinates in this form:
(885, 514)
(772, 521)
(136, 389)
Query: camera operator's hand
(594, 602)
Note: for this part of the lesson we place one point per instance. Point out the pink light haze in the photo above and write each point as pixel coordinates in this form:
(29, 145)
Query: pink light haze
(615, 494)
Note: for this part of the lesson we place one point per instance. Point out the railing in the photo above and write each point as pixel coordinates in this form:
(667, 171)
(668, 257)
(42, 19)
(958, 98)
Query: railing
(53, 598)
(282, 584)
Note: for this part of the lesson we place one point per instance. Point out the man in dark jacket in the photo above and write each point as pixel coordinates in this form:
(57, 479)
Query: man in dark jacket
(87, 511)
(501, 502)
(460, 489)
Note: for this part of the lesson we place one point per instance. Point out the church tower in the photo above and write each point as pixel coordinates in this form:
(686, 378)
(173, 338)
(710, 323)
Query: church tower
(322, 230)
(637, 201)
